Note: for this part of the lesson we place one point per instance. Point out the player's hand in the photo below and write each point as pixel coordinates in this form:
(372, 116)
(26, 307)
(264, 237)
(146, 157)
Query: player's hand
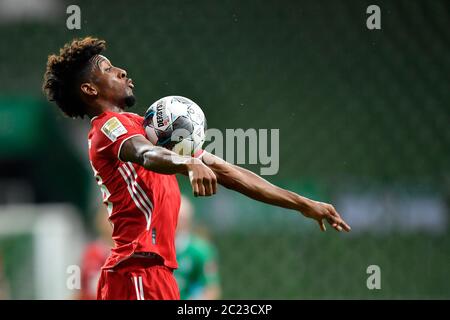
(203, 180)
(321, 211)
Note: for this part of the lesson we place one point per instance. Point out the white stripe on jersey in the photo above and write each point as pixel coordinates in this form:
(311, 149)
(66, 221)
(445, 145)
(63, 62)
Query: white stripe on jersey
(138, 190)
(144, 195)
(136, 197)
(141, 288)
(134, 280)
(138, 287)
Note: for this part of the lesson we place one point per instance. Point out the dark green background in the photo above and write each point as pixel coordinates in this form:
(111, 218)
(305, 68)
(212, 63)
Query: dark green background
(358, 109)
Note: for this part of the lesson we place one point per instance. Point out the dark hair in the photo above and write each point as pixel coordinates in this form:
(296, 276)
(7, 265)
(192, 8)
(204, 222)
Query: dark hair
(65, 72)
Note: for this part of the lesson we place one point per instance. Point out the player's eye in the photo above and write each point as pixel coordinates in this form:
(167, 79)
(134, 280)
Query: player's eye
(108, 69)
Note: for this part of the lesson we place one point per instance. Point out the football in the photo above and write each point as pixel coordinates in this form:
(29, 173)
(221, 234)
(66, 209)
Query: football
(176, 123)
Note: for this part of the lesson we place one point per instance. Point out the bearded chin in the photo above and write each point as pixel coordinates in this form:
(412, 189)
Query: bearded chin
(130, 101)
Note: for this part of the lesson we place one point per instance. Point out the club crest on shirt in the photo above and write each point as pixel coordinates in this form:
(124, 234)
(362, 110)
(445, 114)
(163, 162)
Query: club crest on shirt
(113, 129)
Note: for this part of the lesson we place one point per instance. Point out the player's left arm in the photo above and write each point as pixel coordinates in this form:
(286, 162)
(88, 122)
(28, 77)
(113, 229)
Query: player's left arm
(250, 184)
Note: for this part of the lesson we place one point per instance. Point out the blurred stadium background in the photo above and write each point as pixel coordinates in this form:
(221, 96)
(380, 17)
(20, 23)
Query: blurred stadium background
(363, 118)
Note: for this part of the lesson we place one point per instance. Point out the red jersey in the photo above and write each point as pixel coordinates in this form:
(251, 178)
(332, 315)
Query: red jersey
(142, 205)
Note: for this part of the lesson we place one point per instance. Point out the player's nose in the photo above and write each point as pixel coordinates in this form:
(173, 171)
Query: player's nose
(122, 73)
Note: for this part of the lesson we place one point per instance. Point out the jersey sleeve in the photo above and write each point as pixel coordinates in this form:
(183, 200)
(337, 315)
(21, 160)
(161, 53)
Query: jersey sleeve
(113, 131)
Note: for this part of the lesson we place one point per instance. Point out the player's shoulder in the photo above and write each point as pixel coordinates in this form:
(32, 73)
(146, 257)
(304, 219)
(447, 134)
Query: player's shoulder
(114, 124)
(108, 124)
(106, 116)
(131, 115)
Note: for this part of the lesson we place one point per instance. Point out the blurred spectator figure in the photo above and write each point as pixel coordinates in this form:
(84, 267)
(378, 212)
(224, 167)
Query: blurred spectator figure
(197, 274)
(95, 255)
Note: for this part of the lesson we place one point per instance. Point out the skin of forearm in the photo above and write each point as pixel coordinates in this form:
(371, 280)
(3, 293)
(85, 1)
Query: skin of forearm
(250, 184)
(159, 159)
(163, 161)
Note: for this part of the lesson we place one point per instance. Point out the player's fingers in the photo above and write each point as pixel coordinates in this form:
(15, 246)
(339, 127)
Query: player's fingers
(341, 223)
(322, 225)
(208, 186)
(345, 226)
(338, 223)
(335, 222)
(194, 188)
(214, 184)
(333, 211)
(335, 218)
(201, 188)
(332, 220)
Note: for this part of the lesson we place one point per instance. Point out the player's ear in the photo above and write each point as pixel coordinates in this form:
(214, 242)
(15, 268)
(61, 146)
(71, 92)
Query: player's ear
(88, 89)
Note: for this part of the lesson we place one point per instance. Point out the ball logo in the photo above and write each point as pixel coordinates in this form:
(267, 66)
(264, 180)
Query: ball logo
(159, 115)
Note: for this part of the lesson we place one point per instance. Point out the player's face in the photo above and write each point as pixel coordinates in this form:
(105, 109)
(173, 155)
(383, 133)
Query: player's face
(112, 82)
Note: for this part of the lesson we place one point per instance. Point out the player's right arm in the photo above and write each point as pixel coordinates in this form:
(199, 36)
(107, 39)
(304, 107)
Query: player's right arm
(139, 150)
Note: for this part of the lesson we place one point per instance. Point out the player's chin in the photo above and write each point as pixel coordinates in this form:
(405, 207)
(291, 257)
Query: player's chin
(130, 100)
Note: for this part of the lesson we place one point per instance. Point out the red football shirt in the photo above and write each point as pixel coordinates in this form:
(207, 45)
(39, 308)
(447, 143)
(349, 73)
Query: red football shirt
(142, 205)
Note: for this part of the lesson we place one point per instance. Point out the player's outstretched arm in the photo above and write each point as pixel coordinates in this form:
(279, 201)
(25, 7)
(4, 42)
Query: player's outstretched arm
(248, 183)
(139, 150)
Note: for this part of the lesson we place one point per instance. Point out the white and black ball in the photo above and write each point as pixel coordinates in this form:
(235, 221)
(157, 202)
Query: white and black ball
(176, 123)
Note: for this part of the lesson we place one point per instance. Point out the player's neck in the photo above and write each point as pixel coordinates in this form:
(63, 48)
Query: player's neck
(102, 106)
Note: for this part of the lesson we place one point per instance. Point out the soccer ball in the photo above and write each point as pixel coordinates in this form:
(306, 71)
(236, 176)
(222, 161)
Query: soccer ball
(176, 123)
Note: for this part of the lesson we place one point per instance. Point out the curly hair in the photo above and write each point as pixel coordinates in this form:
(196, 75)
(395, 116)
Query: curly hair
(65, 72)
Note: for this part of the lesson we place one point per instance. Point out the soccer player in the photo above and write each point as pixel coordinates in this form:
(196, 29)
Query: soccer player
(137, 179)
(197, 274)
